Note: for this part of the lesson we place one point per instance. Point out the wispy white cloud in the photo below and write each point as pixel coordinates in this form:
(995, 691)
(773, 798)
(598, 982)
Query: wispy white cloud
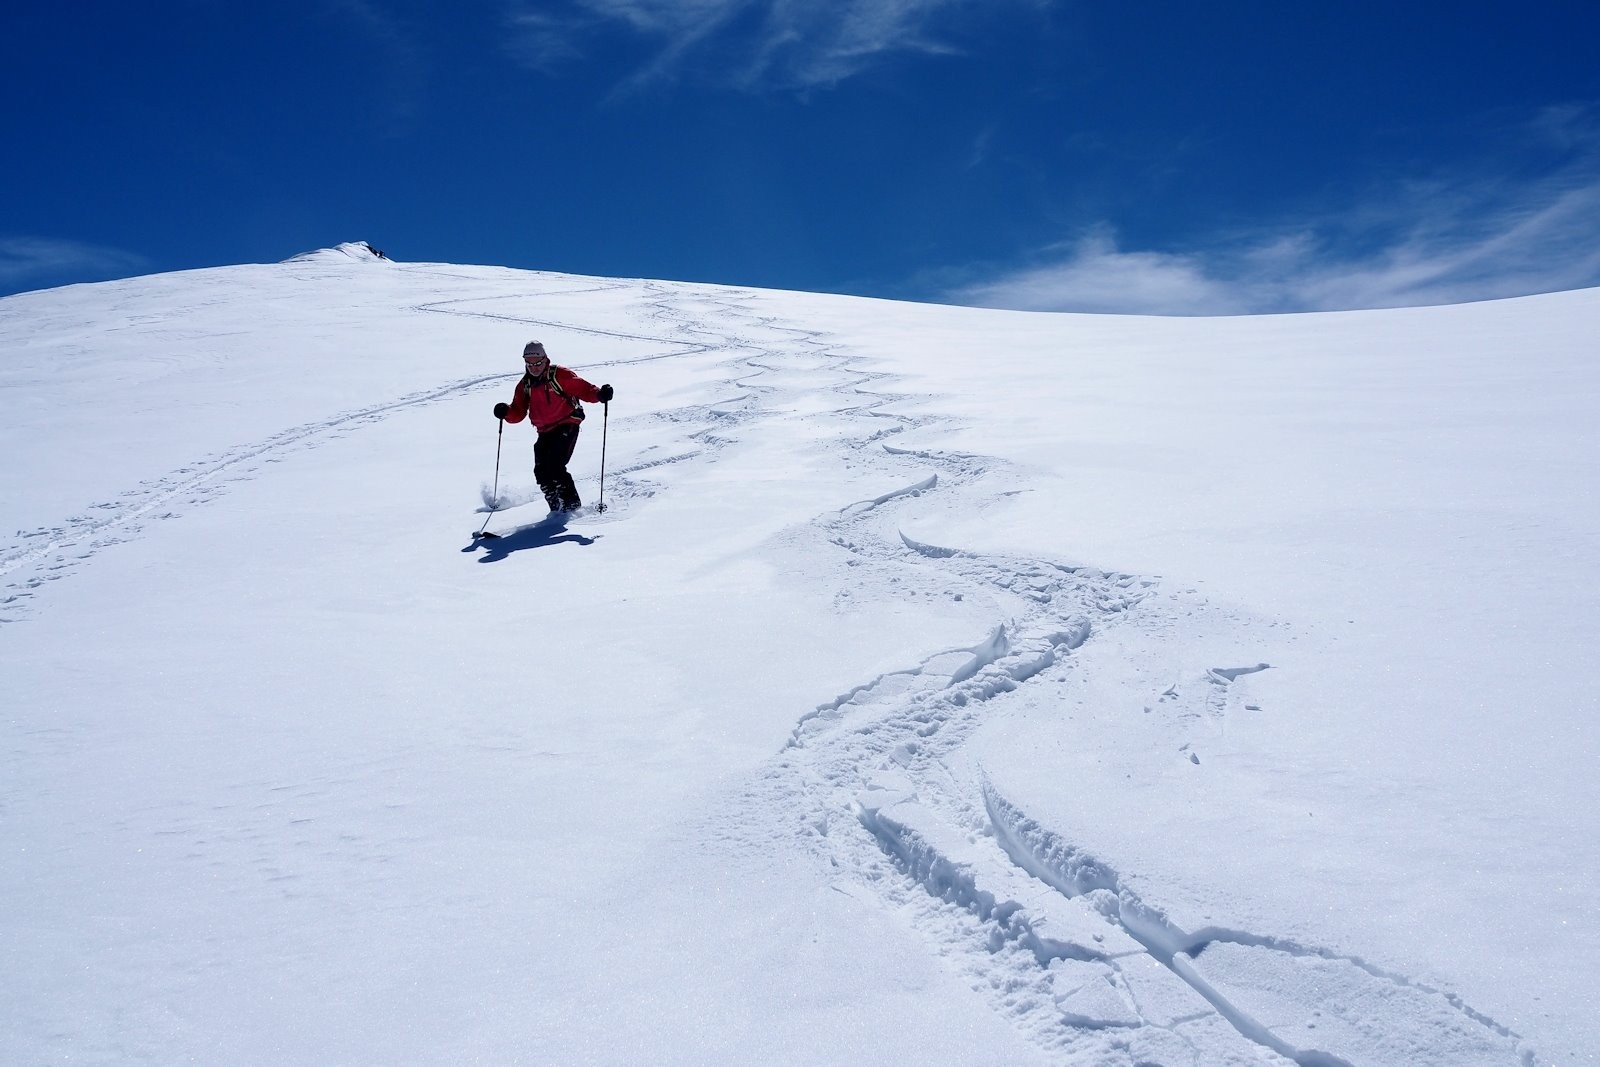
(1447, 239)
(751, 44)
(1094, 274)
(46, 260)
(806, 44)
(542, 41)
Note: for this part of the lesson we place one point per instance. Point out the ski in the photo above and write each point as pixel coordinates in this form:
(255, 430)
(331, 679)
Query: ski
(555, 517)
(585, 515)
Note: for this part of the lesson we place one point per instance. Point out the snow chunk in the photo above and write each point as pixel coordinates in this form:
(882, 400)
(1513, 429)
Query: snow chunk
(1097, 1003)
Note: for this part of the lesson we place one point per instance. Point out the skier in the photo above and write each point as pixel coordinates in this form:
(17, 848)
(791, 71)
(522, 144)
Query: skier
(550, 397)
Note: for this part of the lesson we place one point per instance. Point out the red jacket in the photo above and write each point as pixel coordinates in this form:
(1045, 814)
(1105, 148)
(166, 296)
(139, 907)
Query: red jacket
(551, 401)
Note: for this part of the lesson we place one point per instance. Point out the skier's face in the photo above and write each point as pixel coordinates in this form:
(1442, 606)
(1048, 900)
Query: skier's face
(537, 365)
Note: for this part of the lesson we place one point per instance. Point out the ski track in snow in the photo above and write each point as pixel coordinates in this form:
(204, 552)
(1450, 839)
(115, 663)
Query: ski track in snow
(1084, 966)
(50, 552)
(1052, 936)
(46, 553)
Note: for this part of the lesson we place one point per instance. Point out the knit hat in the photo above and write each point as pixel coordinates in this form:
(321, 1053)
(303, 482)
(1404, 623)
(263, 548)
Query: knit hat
(534, 348)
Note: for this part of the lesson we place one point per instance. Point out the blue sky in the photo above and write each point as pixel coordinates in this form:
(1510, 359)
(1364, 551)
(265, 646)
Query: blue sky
(1178, 158)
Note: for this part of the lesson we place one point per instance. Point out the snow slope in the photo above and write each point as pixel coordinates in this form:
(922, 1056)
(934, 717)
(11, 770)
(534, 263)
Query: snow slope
(939, 683)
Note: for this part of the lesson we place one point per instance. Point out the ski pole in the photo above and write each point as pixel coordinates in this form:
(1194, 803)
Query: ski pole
(494, 495)
(605, 424)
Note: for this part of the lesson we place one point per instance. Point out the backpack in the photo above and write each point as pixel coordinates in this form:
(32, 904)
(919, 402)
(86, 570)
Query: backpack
(554, 382)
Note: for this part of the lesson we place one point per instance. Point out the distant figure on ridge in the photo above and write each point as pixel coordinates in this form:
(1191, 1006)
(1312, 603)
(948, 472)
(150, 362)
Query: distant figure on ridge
(549, 396)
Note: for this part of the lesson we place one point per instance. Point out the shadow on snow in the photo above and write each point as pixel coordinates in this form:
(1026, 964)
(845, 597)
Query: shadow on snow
(542, 534)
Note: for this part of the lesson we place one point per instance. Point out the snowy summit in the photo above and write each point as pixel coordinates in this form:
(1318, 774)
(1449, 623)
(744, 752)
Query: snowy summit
(936, 685)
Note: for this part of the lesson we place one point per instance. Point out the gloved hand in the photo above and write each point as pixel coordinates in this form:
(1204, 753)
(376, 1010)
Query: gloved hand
(500, 411)
(605, 394)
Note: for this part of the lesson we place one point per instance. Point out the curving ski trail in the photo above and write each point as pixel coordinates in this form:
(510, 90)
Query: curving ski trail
(872, 781)
(49, 551)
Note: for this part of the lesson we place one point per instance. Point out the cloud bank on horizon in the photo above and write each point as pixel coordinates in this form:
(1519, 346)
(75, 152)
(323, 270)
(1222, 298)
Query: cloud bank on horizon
(1441, 240)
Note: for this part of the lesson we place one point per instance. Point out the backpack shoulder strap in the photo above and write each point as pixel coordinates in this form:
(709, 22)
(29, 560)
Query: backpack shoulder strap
(555, 383)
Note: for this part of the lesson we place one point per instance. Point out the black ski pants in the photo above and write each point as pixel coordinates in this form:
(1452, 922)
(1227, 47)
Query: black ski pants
(551, 454)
